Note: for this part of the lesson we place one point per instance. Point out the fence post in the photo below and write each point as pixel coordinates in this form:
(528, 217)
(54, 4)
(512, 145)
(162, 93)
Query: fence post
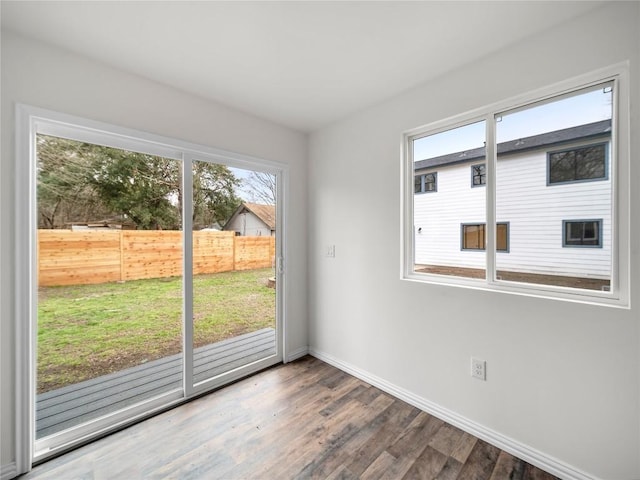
(233, 252)
(122, 255)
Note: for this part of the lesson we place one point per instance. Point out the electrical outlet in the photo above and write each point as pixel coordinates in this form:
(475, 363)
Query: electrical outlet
(478, 368)
(331, 251)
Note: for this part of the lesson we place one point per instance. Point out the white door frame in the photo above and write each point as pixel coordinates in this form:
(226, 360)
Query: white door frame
(31, 120)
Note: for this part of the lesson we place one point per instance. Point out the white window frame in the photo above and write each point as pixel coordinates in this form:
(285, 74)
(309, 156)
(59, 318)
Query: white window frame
(618, 296)
(33, 120)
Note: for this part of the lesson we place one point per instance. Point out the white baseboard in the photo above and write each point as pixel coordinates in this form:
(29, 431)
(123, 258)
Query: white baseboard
(520, 450)
(300, 352)
(8, 471)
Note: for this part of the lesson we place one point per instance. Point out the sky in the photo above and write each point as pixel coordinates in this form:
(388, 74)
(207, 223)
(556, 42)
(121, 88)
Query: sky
(587, 107)
(244, 190)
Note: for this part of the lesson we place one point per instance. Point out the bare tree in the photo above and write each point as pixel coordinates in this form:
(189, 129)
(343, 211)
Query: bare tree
(262, 187)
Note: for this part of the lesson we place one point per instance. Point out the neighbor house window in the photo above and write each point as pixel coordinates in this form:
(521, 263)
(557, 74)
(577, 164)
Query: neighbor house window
(478, 175)
(515, 151)
(578, 164)
(474, 236)
(426, 183)
(582, 233)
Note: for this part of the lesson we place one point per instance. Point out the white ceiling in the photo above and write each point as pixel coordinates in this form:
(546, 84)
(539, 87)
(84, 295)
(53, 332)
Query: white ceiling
(300, 64)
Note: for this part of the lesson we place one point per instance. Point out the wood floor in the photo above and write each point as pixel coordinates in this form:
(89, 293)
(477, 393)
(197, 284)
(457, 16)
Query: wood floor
(302, 420)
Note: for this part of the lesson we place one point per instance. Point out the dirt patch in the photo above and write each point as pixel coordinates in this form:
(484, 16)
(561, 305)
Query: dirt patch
(555, 280)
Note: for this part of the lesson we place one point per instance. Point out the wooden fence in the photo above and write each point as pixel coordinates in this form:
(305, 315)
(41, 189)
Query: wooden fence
(83, 257)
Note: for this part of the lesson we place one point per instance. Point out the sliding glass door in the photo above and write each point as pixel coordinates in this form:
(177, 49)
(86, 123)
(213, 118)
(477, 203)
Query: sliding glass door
(154, 275)
(234, 277)
(109, 315)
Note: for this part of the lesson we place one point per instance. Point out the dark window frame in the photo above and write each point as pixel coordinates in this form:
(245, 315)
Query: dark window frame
(482, 176)
(484, 239)
(577, 148)
(423, 183)
(597, 221)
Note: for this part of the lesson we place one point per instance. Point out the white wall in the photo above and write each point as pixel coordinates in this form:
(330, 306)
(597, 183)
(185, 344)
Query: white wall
(562, 378)
(38, 75)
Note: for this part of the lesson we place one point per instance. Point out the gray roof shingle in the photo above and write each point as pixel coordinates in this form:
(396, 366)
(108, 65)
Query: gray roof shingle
(557, 137)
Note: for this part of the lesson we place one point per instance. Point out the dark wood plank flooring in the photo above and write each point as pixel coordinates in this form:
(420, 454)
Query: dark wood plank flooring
(302, 420)
(69, 406)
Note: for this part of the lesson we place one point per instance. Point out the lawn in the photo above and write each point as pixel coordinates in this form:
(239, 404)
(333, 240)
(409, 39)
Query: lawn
(87, 331)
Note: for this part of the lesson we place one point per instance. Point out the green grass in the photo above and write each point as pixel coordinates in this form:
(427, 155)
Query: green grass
(87, 331)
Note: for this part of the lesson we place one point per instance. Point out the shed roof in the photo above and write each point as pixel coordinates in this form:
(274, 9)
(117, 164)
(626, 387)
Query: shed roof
(266, 213)
(557, 137)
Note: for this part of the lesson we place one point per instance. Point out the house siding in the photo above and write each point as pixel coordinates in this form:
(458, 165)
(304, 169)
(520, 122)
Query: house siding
(534, 210)
(440, 214)
(247, 224)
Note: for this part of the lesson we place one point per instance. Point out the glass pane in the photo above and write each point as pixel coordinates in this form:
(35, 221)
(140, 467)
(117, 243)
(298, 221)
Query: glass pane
(441, 245)
(590, 163)
(473, 237)
(502, 237)
(553, 171)
(562, 167)
(590, 232)
(234, 278)
(574, 232)
(430, 182)
(479, 175)
(109, 278)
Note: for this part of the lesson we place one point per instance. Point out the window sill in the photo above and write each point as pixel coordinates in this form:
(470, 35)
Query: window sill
(567, 294)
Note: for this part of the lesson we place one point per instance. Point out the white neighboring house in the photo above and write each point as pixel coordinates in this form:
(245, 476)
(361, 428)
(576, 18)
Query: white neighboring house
(253, 220)
(553, 205)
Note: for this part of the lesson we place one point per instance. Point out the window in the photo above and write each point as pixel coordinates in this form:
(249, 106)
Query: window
(578, 164)
(437, 218)
(582, 233)
(570, 133)
(478, 175)
(474, 238)
(426, 183)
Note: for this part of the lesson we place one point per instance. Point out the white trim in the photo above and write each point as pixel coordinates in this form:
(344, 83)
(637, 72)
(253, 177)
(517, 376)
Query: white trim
(491, 166)
(24, 272)
(102, 133)
(524, 452)
(8, 471)
(618, 297)
(282, 195)
(296, 354)
(281, 267)
(187, 275)
(223, 379)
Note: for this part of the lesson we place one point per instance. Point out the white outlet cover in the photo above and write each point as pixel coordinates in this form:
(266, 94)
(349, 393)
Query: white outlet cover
(478, 368)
